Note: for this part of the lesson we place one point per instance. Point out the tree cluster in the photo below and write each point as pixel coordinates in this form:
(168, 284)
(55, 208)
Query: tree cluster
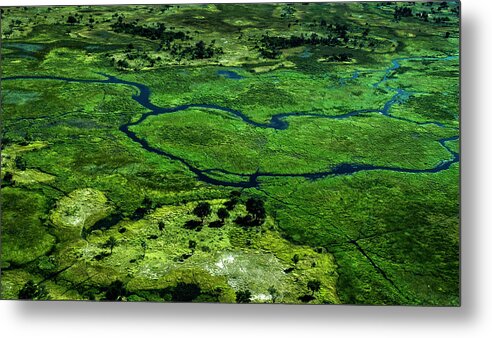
(183, 292)
(402, 12)
(256, 213)
(198, 51)
(110, 244)
(116, 291)
(270, 46)
(7, 179)
(72, 20)
(243, 296)
(342, 57)
(202, 210)
(157, 32)
(31, 290)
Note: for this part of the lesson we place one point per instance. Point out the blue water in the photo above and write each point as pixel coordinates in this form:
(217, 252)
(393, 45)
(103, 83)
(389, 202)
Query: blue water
(305, 54)
(27, 47)
(230, 74)
(23, 56)
(343, 81)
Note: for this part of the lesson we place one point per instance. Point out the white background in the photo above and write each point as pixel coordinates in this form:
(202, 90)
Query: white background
(473, 319)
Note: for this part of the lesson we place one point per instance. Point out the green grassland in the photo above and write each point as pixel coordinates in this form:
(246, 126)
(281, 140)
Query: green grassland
(287, 153)
(213, 140)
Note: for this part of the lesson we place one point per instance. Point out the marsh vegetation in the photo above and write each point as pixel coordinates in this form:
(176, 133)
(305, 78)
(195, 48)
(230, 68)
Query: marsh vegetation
(286, 153)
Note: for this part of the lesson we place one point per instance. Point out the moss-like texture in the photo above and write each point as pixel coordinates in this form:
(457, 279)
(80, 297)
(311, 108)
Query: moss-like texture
(24, 235)
(268, 153)
(211, 139)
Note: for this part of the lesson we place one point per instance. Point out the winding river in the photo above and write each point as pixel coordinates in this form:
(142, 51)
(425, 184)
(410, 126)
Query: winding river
(277, 121)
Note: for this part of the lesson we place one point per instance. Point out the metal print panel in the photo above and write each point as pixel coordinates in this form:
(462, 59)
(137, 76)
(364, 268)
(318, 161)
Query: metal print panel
(237, 153)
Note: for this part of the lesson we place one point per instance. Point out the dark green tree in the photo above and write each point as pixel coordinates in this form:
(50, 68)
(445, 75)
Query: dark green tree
(200, 51)
(31, 290)
(143, 244)
(7, 179)
(245, 221)
(243, 296)
(216, 224)
(191, 244)
(235, 194)
(314, 285)
(256, 216)
(222, 213)
(273, 293)
(111, 243)
(72, 20)
(20, 163)
(193, 224)
(231, 204)
(116, 291)
(122, 64)
(295, 258)
(202, 210)
(256, 207)
(185, 292)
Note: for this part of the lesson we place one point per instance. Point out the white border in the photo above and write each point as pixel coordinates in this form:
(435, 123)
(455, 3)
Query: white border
(473, 319)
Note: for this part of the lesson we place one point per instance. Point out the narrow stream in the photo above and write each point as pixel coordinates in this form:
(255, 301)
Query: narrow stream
(277, 121)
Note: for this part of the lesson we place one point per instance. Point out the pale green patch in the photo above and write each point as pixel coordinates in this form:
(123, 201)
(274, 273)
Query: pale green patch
(81, 209)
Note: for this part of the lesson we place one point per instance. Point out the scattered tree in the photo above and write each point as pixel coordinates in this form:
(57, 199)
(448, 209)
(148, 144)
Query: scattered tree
(7, 179)
(191, 244)
(314, 285)
(295, 258)
(306, 298)
(143, 244)
(111, 243)
(341, 57)
(243, 296)
(222, 213)
(20, 163)
(72, 20)
(216, 224)
(193, 224)
(402, 12)
(256, 207)
(185, 292)
(116, 291)
(231, 204)
(122, 64)
(202, 210)
(235, 194)
(31, 290)
(273, 293)
(257, 213)
(195, 52)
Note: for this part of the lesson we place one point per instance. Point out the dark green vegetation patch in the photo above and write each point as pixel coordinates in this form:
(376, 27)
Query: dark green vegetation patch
(266, 153)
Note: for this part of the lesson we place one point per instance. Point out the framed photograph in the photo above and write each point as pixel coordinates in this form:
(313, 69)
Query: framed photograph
(292, 153)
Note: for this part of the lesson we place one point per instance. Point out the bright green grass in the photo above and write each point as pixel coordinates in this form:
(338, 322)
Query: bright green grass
(212, 139)
(392, 217)
(23, 238)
